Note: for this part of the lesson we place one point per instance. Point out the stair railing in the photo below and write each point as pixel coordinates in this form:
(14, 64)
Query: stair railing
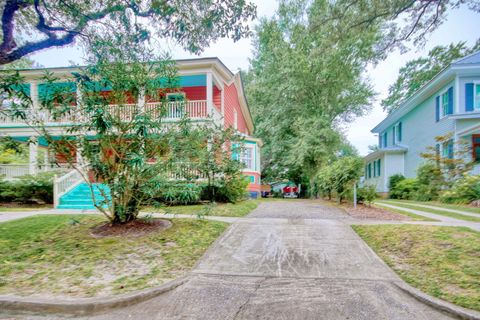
(65, 183)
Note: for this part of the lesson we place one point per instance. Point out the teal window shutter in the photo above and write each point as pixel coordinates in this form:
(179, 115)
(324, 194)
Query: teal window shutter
(450, 101)
(394, 134)
(379, 173)
(385, 140)
(374, 168)
(437, 108)
(450, 149)
(468, 97)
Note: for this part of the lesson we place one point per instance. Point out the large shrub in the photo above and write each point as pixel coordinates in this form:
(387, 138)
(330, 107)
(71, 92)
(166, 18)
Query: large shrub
(180, 193)
(339, 177)
(366, 194)
(464, 190)
(393, 180)
(405, 189)
(28, 189)
(430, 182)
(231, 189)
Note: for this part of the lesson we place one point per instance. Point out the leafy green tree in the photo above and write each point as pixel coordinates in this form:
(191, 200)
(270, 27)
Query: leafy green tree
(193, 24)
(339, 177)
(418, 72)
(306, 80)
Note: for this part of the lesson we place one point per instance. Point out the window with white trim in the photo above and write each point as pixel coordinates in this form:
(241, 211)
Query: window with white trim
(476, 96)
(247, 157)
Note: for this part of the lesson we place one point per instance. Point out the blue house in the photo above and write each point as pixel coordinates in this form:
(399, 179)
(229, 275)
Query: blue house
(448, 104)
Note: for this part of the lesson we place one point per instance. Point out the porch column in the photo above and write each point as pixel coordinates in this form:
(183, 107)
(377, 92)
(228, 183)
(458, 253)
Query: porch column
(79, 112)
(34, 94)
(32, 156)
(141, 100)
(46, 160)
(209, 94)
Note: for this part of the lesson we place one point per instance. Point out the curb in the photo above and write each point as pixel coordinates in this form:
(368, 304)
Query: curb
(85, 306)
(457, 311)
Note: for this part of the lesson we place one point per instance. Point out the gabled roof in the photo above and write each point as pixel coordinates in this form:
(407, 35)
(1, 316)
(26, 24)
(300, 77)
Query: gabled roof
(470, 59)
(463, 66)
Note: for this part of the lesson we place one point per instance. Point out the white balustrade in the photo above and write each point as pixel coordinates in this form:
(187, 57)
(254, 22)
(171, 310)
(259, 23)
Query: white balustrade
(10, 171)
(170, 111)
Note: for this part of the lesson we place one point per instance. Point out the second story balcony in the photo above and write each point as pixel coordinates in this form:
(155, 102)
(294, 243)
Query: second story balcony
(197, 110)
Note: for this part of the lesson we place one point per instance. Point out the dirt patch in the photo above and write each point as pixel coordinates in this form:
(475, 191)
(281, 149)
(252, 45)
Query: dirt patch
(136, 228)
(366, 212)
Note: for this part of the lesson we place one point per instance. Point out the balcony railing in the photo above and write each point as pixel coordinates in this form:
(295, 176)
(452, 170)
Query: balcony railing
(171, 111)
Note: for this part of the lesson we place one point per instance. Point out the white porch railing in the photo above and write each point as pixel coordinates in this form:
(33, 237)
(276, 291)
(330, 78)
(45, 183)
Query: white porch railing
(10, 171)
(194, 109)
(67, 182)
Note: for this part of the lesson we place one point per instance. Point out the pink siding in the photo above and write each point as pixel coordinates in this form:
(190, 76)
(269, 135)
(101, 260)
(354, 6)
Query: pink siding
(195, 93)
(217, 98)
(231, 104)
(253, 187)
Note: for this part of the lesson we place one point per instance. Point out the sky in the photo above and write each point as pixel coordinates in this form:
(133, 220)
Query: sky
(461, 25)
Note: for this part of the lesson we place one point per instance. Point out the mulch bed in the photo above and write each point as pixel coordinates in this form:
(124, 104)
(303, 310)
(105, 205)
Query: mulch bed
(366, 212)
(136, 228)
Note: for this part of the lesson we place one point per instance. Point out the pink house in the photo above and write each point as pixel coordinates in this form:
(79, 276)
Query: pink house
(212, 93)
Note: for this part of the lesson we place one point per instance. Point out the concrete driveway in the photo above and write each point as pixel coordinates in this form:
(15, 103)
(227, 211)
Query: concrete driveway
(286, 260)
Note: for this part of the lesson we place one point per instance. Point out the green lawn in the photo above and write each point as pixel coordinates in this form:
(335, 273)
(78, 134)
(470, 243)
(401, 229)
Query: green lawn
(435, 211)
(441, 261)
(50, 255)
(414, 216)
(441, 205)
(238, 209)
(27, 208)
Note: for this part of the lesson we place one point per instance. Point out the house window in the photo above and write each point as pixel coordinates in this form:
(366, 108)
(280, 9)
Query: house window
(476, 97)
(369, 170)
(247, 158)
(444, 104)
(384, 140)
(447, 150)
(397, 133)
(476, 147)
(374, 168)
(176, 97)
(379, 171)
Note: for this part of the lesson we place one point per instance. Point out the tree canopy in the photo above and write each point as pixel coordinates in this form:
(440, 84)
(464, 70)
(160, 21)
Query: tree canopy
(51, 23)
(419, 71)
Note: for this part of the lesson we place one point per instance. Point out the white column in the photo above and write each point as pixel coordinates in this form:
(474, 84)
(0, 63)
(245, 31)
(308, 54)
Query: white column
(34, 95)
(46, 160)
(209, 94)
(141, 100)
(80, 115)
(78, 155)
(32, 155)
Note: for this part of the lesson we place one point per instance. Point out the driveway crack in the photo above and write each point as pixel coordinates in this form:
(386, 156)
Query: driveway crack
(235, 316)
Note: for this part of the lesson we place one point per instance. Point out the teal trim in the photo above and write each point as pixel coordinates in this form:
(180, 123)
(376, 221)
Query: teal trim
(183, 81)
(22, 88)
(252, 179)
(48, 90)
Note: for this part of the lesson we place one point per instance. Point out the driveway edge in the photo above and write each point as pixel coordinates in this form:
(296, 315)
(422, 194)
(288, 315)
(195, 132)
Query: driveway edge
(85, 306)
(438, 304)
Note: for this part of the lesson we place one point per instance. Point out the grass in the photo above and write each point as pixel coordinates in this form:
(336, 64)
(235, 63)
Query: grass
(444, 262)
(435, 211)
(51, 255)
(415, 217)
(238, 209)
(445, 205)
(27, 208)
